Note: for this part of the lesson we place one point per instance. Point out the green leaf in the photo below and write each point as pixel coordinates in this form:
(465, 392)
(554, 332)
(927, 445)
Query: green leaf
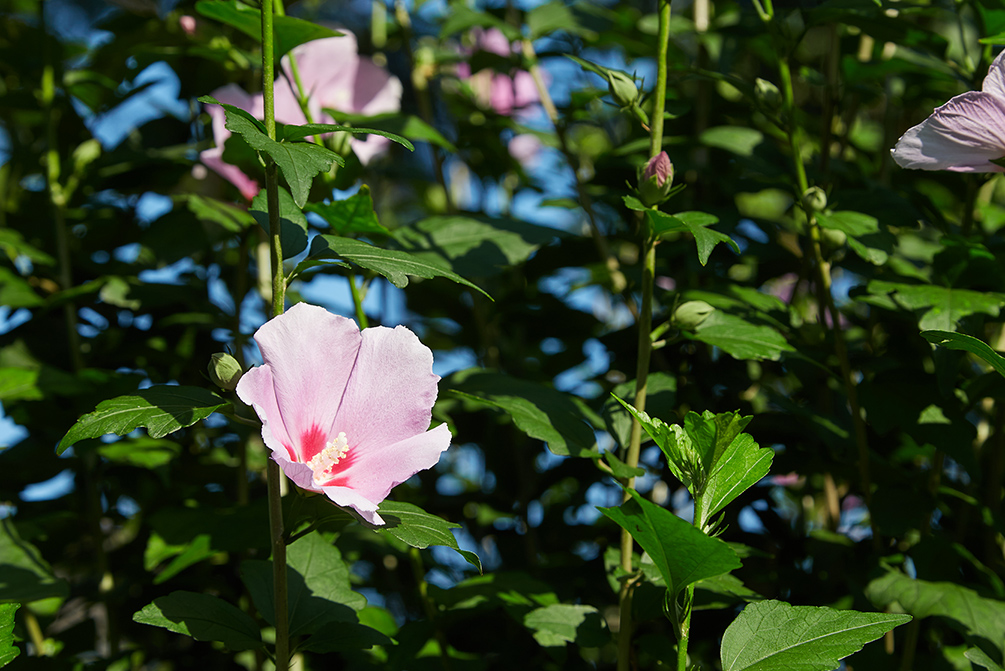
(944, 306)
(475, 246)
(393, 264)
(13, 244)
(318, 588)
(681, 453)
(397, 125)
(550, 17)
(742, 466)
(20, 384)
(772, 635)
(461, 17)
(852, 223)
(162, 410)
(953, 340)
(982, 659)
(292, 222)
(143, 452)
(15, 292)
(694, 222)
(415, 527)
(8, 651)
(289, 32)
(292, 133)
(739, 140)
(204, 618)
(298, 161)
(24, 575)
(683, 553)
(225, 215)
(741, 339)
(539, 411)
(344, 636)
(352, 215)
(921, 598)
(562, 623)
(633, 203)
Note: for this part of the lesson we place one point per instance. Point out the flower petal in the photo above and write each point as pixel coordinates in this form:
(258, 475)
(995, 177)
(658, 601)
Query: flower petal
(231, 94)
(391, 392)
(257, 389)
(349, 498)
(377, 469)
(311, 354)
(994, 83)
(963, 135)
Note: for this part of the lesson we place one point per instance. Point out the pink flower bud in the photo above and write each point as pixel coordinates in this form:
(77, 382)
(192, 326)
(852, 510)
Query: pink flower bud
(660, 167)
(187, 24)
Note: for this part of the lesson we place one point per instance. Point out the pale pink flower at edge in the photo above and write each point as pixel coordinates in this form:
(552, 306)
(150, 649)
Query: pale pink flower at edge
(963, 135)
(501, 92)
(344, 412)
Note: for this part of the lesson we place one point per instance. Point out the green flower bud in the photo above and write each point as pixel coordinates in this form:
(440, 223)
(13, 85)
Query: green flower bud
(224, 371)
(814, 199)
(656, 180)
(692, 313)
(622, 88)
(767, 94)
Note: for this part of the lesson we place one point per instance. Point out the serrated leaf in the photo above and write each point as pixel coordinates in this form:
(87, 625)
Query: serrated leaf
(562, 623)
(289, 133)
(773, 635)
(393, 264)
(292, 222)
(680, 451)
(741, 339)
(204, 618)
(697, 224)
(289, 32)
(318, 588)
(683, 553)
(400, 125)
(740, 468)
(944, 306)
(161, 410)
(921, 598)
(227, 216)
(852, 223)
(539, 411)
(415, 527)
(981, 658)
(8, 651)
(354, 214)
(953, 340)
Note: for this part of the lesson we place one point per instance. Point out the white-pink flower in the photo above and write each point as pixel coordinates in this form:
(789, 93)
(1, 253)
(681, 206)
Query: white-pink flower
(345, 412)
(501, 92)
(964, 135)
(334, 76)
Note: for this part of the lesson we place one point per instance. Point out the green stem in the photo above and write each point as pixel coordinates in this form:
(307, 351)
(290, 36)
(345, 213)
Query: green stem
(415, 558)
(685, 632)
(644, 331)
(357, 301)
(274, 474)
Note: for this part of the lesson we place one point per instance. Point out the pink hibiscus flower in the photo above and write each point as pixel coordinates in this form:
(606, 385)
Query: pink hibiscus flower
(345, 413)
(500, 92)
(964, 135)
(334, 76)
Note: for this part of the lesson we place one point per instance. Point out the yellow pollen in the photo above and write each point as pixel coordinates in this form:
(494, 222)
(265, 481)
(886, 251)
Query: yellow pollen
(324, 460)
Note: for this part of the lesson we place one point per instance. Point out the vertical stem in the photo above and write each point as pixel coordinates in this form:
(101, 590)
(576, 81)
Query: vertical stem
(274, 475)
(357, 301)
(644, 333)
(415, 558)
(685, 632)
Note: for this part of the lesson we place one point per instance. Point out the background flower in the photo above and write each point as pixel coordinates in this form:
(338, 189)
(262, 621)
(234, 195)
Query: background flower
(500, 92)
(963, 135)
(344, 413)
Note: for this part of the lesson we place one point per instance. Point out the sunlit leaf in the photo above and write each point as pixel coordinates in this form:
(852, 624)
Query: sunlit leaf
(961, 341)
(417, 528)
(203, 617)
(8, 651)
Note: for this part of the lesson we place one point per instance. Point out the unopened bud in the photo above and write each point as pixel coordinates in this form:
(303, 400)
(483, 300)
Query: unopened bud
(224, 371)
(656, 180)
(767, 94)
(814, 199)
(622, 88)
(692, 313)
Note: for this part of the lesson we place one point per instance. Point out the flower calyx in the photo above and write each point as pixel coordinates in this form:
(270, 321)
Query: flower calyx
(656, 180)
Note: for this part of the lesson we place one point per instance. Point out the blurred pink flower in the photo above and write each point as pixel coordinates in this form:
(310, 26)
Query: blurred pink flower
(334, 76)
(187, 24)
(345, 413)
(963, 135)
(525, 147)
(503, 93)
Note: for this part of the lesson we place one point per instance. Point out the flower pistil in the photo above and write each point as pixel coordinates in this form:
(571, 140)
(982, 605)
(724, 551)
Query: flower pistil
(323, 462)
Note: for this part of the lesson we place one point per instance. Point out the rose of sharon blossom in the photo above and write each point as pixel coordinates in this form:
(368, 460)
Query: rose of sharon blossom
(335, 76)
(500, 92)
(963, 135)
(345, 413)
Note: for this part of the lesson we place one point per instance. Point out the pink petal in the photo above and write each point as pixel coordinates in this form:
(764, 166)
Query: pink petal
(994, 83)
(962, 135)
(391, 392)
(378, 468)
(257, 389)
(375, 90)
(524, 89)
(492, 40)
(310, 354)
(502, 97)
(232, 94)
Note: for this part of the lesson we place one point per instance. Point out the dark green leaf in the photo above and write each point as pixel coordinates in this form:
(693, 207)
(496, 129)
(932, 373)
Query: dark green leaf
(24, 575)
(852, 223)
(981, 658)
(397, 124)
(344, 636)
(143, 452)
(741, 339)
(953, 340)
(355, 214)
(227, 216)
(204, 618)
(772, 635)
(682, 553)
(8, 651)
(162, 410)
(696, 223)
(293, 133)
(393, 264)
(415, 527)
(15, 292)
(292, 222)
(740, 467)
(289, 31)
(562, 623)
